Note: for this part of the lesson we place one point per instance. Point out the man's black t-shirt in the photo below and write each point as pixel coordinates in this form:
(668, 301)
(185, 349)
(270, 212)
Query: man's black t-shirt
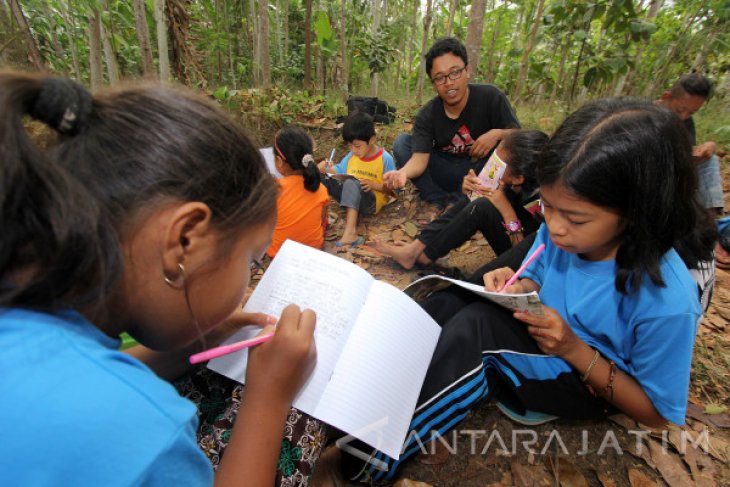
(487, 108)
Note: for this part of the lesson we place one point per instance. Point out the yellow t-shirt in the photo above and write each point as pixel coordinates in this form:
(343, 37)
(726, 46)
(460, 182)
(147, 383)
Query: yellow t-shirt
(299, 214)
(371, 168)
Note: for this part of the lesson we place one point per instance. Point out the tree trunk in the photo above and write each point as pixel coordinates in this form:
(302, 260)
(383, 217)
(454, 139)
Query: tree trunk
(453, 7)
(524, 64)
(143, 34)
(264, 39)
(185, 61)
(112, 66)
(654, 7)
(412, 45)
(495, 34)
(559, 81)
(34, 54)
(71, 28)
(162, 49)
(424, 45)
(55, 42)
(474, 34)
(308, 45)
(375, 25)
(95, 66)
(344, 68)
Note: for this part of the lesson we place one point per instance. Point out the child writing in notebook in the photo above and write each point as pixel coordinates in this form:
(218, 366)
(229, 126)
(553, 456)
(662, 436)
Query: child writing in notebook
(620, 307)
(363, 193)
(302, 202)
(500, 214)
(136, 221)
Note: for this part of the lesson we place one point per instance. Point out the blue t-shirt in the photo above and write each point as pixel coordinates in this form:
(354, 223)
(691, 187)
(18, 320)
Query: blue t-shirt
(648, 333)
(74, 410)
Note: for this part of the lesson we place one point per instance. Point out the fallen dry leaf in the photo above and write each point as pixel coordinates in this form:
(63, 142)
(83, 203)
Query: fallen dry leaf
(697, 412)
(410, 483)
(529, 475)
(637, 478)
(670, 466)
(569, 475)
(605, 480)
(410, 228)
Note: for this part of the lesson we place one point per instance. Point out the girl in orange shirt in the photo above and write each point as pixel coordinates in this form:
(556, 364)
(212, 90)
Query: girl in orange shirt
(301, 205)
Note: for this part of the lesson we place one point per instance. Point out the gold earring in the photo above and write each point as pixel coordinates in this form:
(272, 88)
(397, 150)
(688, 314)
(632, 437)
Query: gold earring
(179, 281)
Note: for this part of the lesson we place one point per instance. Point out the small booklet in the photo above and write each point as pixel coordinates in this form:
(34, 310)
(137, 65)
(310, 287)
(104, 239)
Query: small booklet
(529, 302)
(374, 344)
(491, 173)
(268, 154)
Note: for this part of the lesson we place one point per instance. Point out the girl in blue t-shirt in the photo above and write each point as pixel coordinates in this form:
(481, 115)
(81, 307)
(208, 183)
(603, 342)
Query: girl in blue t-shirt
(620, 307)
(145, 217)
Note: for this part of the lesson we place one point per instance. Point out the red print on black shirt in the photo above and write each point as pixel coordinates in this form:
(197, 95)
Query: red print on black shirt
(461, 142)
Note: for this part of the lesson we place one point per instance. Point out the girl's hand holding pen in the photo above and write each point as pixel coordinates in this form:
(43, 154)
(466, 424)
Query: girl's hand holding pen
(279, 367)
(551, 332)
(495, 280)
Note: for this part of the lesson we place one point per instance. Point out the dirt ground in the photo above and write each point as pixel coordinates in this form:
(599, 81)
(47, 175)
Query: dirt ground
(615, 452)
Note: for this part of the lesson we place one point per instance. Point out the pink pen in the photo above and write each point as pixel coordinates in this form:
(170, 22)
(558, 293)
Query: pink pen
(226, 349)
(529, 260)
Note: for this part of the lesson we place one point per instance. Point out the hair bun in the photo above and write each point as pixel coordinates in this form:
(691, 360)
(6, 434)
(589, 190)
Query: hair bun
(63, 104)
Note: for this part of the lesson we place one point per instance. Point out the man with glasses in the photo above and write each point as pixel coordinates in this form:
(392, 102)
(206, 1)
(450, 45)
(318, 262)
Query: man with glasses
(454, 132)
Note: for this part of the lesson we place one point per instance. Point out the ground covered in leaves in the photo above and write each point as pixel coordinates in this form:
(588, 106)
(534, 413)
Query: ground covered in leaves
(488, 449)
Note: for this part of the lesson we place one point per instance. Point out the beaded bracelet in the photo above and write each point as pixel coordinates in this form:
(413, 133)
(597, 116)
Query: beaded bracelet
(611, 377)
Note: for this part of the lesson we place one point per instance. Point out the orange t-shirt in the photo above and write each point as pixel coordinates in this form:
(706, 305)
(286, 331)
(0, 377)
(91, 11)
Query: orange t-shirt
(299, 214)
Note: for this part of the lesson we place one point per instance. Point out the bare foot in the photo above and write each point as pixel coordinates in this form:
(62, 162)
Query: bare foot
(404, 254)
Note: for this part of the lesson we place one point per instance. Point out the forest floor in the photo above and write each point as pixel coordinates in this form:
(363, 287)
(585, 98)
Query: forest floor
(488, 449)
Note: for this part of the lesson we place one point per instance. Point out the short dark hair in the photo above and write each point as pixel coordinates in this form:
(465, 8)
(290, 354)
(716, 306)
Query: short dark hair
(358, 126)
(614, 153)
(524, 147)
(692, 84)
(444, 46)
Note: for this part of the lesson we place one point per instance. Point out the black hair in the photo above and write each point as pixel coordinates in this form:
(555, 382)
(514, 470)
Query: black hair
(692, 84)
(296, 147)
(65, 211)
(444, 46)
(524, 147)
(635, 157)
(358, 126)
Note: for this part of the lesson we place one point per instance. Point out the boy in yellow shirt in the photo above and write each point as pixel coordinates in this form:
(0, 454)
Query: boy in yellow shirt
(357, 181)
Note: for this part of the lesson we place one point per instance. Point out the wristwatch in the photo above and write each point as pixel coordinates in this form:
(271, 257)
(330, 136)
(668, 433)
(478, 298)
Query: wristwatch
(513, 227)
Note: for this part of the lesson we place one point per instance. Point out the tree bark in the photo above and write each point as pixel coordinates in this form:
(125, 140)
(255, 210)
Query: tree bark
(308, 45)
(344, 74)
(424, 45)
(493, 41)
(55, 42)
(163, 54)
(185, 62)
(264, 40)
(474, 34)
(112, 66)
(71, 27)
(143, 34)
(453, 7)
(375, 25)
(412, 44)
(95, 66)
(524, 64)
(34, 54)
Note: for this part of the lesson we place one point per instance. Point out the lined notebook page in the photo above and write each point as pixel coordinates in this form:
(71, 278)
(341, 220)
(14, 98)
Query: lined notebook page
(334, 288)
(376, 383)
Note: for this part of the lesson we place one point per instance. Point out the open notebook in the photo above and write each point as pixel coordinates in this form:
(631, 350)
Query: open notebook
(374, 344)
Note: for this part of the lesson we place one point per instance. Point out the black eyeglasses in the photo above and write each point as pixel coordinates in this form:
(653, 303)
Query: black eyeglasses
(454, 75)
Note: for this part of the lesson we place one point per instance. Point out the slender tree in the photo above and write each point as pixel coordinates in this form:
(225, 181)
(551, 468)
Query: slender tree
(474, 34)
(162, 50)
(112, 66)
(95, 65)
(524, 64)
(143, 36)
(308, 45)
(424, 45)
(34, 54)
(264, 44)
